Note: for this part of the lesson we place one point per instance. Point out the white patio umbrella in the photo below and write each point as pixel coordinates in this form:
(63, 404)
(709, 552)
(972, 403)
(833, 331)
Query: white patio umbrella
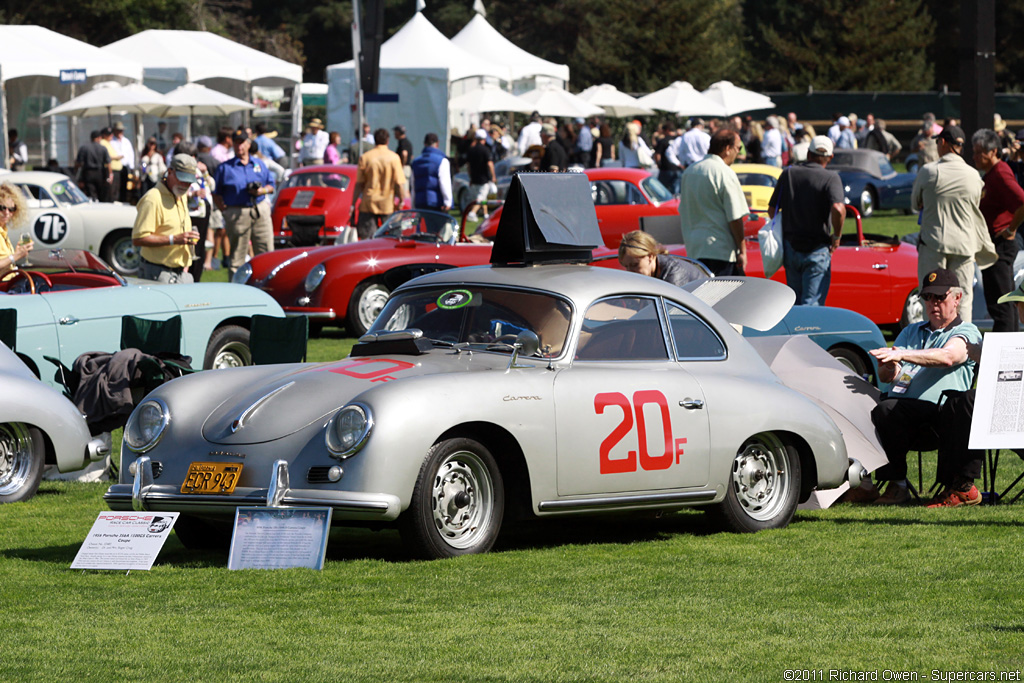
(111, 97)
(557, 102)
(736, 100)
(682, 99)
(191, 99)
(486, 98)
(615, 103)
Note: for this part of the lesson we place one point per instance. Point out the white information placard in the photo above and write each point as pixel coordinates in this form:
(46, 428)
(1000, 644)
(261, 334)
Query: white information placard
(998, 420)
(125, 540)
(279, 538)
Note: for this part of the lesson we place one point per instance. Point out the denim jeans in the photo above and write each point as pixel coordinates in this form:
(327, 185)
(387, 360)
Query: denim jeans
(808, 274)
(670, 179)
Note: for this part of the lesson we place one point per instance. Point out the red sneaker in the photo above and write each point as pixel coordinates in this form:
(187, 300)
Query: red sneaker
(953, 498)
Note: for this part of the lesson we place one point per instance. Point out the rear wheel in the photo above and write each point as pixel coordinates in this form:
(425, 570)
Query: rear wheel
(458, 502)
(763, 486)
(228, 348)
(120, 253)
(913, 310)
(851, 359)
(21, 462)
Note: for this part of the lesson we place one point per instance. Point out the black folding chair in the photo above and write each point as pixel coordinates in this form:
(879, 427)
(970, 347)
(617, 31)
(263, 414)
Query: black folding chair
(158, 338)
(278, 340)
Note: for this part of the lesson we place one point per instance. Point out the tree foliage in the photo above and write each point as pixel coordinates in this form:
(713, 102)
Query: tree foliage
(841, 44)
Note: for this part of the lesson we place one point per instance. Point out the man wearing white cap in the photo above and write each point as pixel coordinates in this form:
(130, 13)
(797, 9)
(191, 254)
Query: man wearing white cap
(811, 200)
(163, 228)
(314, 143)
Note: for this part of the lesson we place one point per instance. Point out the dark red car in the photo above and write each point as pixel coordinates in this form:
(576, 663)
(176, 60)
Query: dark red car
(621, 197)
(313, 205)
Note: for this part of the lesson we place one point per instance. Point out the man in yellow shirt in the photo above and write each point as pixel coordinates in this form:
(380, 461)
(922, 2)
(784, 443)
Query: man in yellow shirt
(379, 179)
(163, 228)
(116, 167)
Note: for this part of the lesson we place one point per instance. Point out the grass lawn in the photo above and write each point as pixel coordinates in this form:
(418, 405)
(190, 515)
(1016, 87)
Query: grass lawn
(852, 588)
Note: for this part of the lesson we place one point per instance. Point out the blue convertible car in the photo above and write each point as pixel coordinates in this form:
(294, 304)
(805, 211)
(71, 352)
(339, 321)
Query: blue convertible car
(870, 182)
(69, 302)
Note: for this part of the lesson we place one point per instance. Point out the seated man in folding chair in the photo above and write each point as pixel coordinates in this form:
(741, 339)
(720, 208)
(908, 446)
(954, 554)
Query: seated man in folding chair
(927, 359)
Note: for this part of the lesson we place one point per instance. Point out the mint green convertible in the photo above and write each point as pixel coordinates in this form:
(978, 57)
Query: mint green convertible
(69, 302)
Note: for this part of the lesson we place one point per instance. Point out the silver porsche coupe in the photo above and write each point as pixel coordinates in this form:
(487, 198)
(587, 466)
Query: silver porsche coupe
(484, 394)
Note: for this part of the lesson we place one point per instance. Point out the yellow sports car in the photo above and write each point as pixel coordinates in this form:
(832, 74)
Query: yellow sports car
(758, 182)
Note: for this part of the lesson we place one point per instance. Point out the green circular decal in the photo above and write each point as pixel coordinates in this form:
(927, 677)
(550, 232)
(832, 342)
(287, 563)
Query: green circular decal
(58, 189)
(456, 298)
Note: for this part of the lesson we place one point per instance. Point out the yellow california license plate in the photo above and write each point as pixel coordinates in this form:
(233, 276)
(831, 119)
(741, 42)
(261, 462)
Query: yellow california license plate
(211, 477)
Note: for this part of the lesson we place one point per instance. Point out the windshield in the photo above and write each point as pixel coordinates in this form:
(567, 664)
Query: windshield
(482, 318)
(51, 261)
(337, 181)
(655, 190)
(427, 226)
(756, 179)
(67, 193)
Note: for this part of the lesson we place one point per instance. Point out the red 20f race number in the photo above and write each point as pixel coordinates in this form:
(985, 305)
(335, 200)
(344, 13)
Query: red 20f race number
(673, 449)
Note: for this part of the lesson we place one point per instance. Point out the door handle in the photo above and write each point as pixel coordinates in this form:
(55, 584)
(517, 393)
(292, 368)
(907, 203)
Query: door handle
(879, 266)
(692, 404)
(68, 320)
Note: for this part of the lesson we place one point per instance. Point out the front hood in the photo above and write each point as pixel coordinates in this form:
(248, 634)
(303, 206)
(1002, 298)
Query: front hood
(292, 400)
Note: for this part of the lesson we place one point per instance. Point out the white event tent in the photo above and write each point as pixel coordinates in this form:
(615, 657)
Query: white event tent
(171, 59)
(479, 38)
(419, 64)
(32, 60)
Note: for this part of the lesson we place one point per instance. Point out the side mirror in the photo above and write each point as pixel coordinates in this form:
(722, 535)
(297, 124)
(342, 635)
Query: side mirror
(527, 343)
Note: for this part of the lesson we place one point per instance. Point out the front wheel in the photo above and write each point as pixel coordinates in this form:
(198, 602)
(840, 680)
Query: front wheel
(867, 202)
(457, 504)
(21, 462)
(763, 486)
(366, 303)
(120, 253)
(228, 348)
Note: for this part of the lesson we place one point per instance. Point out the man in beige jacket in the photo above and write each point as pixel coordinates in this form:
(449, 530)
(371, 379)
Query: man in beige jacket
(953, 231)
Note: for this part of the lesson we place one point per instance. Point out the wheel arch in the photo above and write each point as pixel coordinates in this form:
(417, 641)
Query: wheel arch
(859, 352)
(511, 460)
(808, 466)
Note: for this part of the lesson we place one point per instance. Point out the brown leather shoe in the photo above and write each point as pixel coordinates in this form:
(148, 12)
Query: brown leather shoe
(867, 492)
(894, 495)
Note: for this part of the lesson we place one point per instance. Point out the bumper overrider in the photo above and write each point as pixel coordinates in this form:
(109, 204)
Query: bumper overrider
(856, 473)
(143, 495)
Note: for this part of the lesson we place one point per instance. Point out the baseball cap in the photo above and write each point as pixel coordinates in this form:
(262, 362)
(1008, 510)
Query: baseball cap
(821, 145)
(1015, 295)
(548, 129)
(843, 121)
(954, 135)
(480, 134)
(184, 167)
(118, 125)
(939, 281)
(239, 136)
(204, 141)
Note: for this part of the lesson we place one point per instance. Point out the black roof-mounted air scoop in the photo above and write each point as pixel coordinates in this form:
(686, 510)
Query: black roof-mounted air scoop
(547, 218)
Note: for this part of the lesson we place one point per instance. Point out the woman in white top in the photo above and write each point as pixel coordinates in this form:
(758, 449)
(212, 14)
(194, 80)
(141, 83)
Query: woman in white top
(154, 166)
(633, 151)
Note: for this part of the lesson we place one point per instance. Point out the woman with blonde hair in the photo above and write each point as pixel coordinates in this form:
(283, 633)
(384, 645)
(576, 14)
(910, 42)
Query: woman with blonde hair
(12, 214)
(633, 151)
(640, 253)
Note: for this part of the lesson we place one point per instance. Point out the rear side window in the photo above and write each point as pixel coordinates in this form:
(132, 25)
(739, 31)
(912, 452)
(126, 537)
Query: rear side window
(622, 328)
(692, 337)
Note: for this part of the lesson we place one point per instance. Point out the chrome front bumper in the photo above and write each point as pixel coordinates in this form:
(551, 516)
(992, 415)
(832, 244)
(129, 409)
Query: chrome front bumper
(143, 494)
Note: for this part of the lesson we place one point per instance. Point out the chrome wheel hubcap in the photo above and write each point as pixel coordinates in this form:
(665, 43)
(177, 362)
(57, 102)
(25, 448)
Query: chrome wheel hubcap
(462, 499)
(760, 478)
(232, 355)
(15, 457)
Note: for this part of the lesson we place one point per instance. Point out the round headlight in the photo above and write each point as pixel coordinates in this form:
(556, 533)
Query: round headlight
(348, 430)
(146, 424)
(242, 275)
(315, 277)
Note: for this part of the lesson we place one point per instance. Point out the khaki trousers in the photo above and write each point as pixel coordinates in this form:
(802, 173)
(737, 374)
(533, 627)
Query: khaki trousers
(245, 224)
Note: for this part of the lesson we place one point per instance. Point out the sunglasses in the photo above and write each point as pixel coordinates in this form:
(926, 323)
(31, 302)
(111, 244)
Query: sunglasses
(9, 209)
(934, 297)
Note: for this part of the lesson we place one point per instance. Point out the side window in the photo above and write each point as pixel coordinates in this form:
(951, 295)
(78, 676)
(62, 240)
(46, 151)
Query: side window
(623, 328)
(633, 195)
(37, 197)
(607, 192)
(693, 339)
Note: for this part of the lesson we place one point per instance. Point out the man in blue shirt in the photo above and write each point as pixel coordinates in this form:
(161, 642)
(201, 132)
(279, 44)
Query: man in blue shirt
(242, 186)
(926, 359)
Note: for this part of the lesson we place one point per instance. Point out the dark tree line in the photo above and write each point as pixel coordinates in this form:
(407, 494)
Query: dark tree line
(636, 45)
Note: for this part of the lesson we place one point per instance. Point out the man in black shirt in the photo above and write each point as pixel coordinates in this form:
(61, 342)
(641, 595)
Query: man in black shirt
(556, 157)
(813, 209)
(481, 173)
(93, 166)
